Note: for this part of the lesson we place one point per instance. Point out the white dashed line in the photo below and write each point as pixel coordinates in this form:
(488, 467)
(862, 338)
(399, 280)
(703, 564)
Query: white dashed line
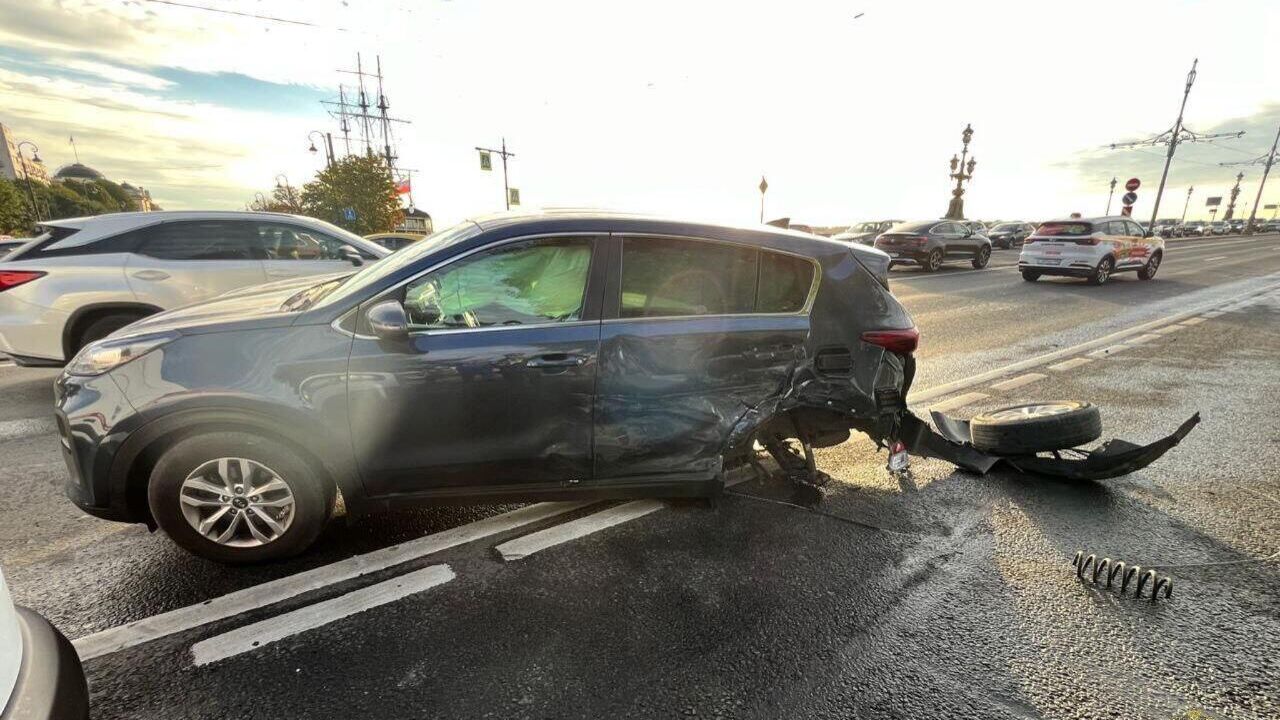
(1168, 329)
(1070, 364)
(1142, 339)
(1214, 314)
(1191, 321)
(274, 591)
(259, 634)
(1107, 351)
(523, 547)
(958, 402)
(1217, 257)
(1020, 381)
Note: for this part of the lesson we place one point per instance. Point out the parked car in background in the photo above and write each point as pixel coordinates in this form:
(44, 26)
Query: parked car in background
(1269, 226)
(932, 242)
(865, 233)
(1092, 248)
(40, 674)
(1195, 228)
(394, 241)
(85, 278)
(1236, 226)
(512, 357)
(1166, 227)
(1008, 234)
(1218, 227)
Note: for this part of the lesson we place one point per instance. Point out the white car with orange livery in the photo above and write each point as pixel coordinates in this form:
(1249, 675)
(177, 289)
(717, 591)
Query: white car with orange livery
(1091, 248)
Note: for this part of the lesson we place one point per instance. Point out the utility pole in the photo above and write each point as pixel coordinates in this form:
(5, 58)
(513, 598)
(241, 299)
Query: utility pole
(1109, 195)
(1266, 161)
(1187, 205)
(1231, 204)
(506, 187)
(1172, 137)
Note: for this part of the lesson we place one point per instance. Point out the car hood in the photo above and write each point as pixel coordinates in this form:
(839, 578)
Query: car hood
(239, 310)
(295, 284)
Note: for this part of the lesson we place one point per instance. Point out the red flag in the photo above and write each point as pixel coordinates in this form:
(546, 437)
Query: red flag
(402, 187)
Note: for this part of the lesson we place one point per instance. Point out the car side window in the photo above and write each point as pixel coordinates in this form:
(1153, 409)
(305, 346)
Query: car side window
(534, 282)
(785, 281)
(200, 240)
(1135, 229)
(665, 277)
(280, 241)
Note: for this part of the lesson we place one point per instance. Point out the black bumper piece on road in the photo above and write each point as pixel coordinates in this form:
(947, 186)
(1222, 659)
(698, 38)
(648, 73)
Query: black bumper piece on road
(51, 682)
(1112, 459)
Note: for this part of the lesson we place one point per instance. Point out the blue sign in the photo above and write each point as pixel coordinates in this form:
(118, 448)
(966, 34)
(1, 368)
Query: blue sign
(348, 214)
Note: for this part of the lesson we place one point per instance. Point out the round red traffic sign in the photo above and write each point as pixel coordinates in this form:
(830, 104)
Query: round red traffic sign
(1132, 184)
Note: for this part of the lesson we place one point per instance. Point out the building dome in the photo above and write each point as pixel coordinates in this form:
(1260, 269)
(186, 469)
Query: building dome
(77, 171)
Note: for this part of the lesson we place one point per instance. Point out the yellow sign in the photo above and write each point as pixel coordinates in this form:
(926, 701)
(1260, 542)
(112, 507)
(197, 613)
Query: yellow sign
(486, 163)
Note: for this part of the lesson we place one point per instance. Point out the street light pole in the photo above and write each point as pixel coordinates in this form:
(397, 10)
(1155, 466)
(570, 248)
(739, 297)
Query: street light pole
(961, 172)
(288, 191)
(26, 175)
(1231, 204)
(1267, 161)
(327, 140)
(1109, 195)
(506, 187)
(1187, 205)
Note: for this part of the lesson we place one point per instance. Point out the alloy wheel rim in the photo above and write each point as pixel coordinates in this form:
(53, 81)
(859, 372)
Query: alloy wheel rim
(1027, 412)
(1104, 271)
(237, 502)
(1155, 265)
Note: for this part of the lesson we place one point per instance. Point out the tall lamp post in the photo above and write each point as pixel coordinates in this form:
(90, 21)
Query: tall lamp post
(327, 140)
(1187, 204)
(1109, 195)
(961, 172)
(288, 191)
(26, 175)
(1231, 204)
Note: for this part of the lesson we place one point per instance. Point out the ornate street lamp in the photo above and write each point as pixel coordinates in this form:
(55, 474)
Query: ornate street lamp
(26, 175)
(961, 171)
(325, 140)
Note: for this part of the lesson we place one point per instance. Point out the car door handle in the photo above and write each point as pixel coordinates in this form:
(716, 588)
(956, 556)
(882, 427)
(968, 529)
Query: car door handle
(556, 360)
(151, 275)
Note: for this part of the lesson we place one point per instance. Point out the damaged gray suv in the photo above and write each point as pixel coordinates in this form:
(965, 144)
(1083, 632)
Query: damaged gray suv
(515, 357)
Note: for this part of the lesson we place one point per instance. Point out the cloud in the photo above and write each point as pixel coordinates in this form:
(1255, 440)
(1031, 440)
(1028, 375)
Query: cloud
(114, 74)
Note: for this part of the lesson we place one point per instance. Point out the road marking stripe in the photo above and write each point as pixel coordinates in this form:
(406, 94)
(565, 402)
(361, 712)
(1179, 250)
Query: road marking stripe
(523, 547)
(1191, 321)
(25, 427)
(948, 388)
(274, 591)
(1108, 351)
(1142, 339)
(1020, 381)
(260, 634)
(1214, 314)
(1168, 329)
(1069, 364)
(958, 402)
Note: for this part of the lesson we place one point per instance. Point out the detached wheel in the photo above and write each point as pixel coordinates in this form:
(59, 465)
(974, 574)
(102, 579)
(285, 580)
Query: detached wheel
(1148, 271)
(1030, 275)
(933, 261)
(1036, 427)
(1102, 273)
(982, 257)
(238, 498)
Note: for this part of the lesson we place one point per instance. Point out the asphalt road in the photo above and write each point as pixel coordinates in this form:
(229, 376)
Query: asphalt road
(949, 595)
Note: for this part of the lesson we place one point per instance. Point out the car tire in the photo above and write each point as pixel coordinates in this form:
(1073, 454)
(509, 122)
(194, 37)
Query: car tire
(933, 261)
(102, 327)
(1030, 276)
(175, 478)
(982, 257)
(1148, 271)
(1036, 427)
(1102, 273)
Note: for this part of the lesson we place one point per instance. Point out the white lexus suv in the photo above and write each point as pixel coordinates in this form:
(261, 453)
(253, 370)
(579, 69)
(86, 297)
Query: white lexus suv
(1091, 248)
(84, 278)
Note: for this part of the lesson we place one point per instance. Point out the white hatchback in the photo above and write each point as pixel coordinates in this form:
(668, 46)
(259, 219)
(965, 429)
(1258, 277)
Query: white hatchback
(1091, 248)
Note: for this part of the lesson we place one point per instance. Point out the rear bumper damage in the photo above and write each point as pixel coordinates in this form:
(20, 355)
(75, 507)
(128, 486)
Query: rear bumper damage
(1113, 458)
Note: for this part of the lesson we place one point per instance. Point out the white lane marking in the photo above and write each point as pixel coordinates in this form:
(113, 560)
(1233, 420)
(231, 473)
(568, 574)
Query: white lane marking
(1142, 339)
(26, 427)
(1213, 314)
(948, 388)
(958, 402)
(260, 634)
(1107, 351)
(523, 547)
(1020, 381)
(1191, 321)
(274, 591)
(1216, 257)
(1168, 329)
(934, 276)
(1069, 364)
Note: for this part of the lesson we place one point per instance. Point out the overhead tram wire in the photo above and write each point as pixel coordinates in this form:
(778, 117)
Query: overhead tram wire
(253, 16)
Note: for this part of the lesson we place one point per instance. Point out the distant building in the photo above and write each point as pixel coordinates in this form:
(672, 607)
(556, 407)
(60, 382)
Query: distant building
(18, 167)
(141, 196)
(78, 172)
(415, 221)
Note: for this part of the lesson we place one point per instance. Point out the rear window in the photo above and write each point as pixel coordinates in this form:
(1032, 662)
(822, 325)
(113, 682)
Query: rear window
(1065, 228)
(785, 281)
(1006, 227)
(911, 227)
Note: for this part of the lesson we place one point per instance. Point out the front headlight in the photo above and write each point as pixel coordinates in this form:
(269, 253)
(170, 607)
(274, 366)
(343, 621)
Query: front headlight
(99, 357)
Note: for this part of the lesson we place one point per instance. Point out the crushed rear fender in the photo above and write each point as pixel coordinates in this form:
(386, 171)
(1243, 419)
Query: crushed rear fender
(1113, 458)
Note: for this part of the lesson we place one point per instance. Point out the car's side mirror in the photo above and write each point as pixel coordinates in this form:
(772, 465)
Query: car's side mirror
(388, 321)
(352, 255)
(1149, 233)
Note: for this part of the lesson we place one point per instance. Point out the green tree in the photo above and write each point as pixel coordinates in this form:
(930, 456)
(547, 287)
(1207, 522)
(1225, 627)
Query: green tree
(361, 183)
(15, 211)
(63, 202)
(282, 200)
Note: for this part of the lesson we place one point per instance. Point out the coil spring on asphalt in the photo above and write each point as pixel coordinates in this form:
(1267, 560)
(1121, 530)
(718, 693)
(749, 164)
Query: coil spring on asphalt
(1127, 573)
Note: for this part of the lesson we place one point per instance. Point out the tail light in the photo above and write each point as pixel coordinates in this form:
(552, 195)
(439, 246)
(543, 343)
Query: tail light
(898, 341)
(14, 278)
(919, 241)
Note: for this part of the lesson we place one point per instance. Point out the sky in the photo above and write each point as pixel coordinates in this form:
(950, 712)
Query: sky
(850, 108)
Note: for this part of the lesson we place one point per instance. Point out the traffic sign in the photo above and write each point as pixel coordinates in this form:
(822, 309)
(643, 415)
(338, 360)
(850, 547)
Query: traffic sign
(513, 196)
(486, 162)
(1132, 184)
(1129, 198)
(349, 214)
(1214, 201)
(1127, 211)
(764, 185)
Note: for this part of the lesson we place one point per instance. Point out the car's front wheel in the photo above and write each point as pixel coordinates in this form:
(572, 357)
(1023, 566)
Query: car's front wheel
(1148, 271)
(1030, 275)
(933, 261)
(238, 498)
(981, 258)
(1102, 273)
